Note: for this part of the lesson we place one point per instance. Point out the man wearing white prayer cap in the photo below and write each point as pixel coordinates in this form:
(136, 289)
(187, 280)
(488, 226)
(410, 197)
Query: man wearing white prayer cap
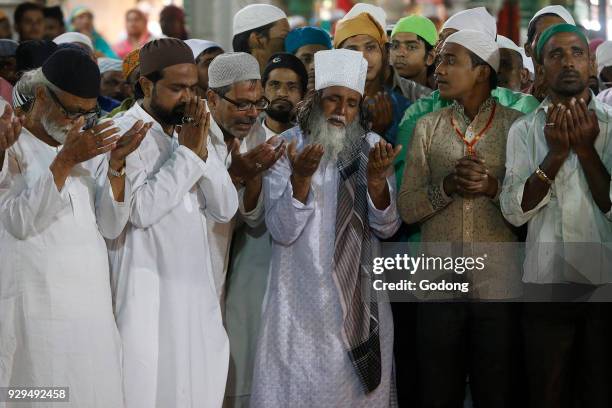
(236, 101)
(112, 83)
(477, 18)
(544, 18)
(260, 30)
(324, 231)
(603, 56)
(204, 52)
(452, 179)
(73, 37)
(510, 70)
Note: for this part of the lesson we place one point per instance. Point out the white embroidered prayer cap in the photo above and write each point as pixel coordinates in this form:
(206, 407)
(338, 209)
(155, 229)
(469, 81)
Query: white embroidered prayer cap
(557, 10)
(232, 67)
(340, 67)
(376, 12)
(256, 15)
(477, 18)
(479, 43)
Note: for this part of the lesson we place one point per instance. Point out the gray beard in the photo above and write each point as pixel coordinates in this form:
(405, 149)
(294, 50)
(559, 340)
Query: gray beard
(58, 133)
(336, 141)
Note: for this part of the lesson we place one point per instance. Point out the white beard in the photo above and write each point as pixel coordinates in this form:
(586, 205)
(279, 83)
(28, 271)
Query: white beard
(58, 133)
(333, 138)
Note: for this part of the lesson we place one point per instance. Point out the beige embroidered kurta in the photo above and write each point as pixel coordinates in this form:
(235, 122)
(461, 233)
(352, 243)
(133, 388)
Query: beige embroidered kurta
(435, 148)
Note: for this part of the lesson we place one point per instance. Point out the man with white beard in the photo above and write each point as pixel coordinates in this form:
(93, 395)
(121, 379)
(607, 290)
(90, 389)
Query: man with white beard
(59, 195)
(326, 339)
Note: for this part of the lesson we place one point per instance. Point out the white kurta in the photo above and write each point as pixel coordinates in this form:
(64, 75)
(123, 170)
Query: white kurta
(301, 359)
(56, 325)
(176, 351)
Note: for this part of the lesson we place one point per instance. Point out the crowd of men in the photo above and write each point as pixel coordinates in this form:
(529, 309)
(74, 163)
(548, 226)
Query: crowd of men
(184, 226)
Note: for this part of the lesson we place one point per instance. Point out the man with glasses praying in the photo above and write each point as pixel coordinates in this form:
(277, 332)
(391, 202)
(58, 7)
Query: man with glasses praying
(236, 99)
(60, 194)
(175, 349)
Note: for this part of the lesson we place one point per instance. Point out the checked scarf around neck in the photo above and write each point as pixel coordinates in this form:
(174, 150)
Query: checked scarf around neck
(352, 267)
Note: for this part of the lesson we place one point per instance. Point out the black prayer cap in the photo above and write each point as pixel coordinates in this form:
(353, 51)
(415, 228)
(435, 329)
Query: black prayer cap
(289, 61)
(74, 72)
(32, 54)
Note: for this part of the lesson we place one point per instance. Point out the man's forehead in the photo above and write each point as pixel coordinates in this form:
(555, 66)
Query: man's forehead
(246, 88)
(341, 91)
(565, 40)
(309, 49)
(183, 74)
(405, 37)
(452, 49)
(283, 74)
(281, 25)
(357, 40)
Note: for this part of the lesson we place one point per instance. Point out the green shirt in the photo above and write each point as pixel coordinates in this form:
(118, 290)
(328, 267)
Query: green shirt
(515, 100)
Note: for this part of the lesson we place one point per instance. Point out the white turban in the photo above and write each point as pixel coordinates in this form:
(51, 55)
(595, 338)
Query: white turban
(376, 12)
(603, 56)
(527, 61)
(557, 10)
(256, 15)
(479, 43)
(340, 67)
(232, 67)
(199, 46)
(110, 64)
(477, 19)
(73, 37)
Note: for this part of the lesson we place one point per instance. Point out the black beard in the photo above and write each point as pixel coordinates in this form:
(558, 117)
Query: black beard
(172, 117)
(281, 116)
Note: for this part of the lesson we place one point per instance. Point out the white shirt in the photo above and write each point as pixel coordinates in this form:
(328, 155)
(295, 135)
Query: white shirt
(176, 350)
(57, 325)
(567, 232)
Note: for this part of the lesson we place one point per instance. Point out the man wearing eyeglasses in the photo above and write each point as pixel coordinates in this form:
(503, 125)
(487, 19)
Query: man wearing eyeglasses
(60, 194)
(284, 81)
(235, 99)
(175, 349)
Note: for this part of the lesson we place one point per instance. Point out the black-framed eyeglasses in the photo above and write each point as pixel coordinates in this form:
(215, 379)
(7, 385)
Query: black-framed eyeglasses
(260, 105)
(73, 115)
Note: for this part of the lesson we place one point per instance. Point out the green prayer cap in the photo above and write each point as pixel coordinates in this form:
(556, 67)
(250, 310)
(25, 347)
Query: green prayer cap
(419, 25)
(554, 30)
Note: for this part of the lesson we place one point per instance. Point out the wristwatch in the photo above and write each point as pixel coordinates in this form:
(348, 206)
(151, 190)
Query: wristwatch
(116, 173)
